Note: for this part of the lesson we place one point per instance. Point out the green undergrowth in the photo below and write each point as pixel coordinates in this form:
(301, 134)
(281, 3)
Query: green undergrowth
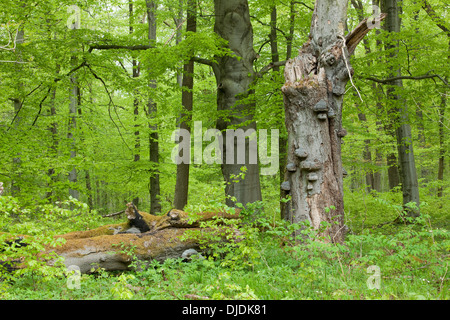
(391, 261)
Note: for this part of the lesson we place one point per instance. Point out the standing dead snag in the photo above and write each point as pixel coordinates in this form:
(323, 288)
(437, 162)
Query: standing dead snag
(313, 97)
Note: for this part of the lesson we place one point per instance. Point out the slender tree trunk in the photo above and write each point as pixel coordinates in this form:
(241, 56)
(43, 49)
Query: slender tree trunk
(135, 74)
(155, 202)
(73, 110)
(442, 149)
(275, 58)
(234, 77)
(187, 101)
(284, 174)
(440, 175)
(440, 23)
(367, 155)
(53, 128)
(290, 35)
(408, 175)
(17, 104)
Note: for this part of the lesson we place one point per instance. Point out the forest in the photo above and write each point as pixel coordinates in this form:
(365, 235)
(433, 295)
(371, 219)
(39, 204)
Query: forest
(224, 150)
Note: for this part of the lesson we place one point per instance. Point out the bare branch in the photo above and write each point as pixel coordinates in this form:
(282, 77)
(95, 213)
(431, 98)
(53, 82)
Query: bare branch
(425, 76)
(207, 62)
(116, 47)
(21, 104)
(113, 214)
(111, 102)
(268, 67)
(355, 37)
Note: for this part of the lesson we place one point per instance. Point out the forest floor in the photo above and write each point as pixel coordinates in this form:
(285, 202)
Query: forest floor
(379, 260)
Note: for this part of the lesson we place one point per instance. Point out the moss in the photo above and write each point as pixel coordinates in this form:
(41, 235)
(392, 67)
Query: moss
(109, 229)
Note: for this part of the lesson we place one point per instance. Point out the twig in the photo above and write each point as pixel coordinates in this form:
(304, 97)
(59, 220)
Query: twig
(21, 104)
(268, 67)
(113, 214)
(348, 69)
(175, 32)
(111, 102)
(425, 76)
(40, 106)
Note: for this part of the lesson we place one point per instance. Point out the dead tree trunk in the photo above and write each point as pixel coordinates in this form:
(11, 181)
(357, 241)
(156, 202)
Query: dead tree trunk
(313, 96)
(153, 238)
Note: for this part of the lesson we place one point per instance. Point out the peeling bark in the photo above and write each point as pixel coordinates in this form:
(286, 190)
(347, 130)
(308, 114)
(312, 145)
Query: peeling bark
(313, 97)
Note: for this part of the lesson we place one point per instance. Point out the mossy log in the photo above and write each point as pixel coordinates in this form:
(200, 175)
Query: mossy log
(106, 246)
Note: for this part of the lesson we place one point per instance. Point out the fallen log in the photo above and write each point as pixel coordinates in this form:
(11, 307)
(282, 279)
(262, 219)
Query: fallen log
(149, 237)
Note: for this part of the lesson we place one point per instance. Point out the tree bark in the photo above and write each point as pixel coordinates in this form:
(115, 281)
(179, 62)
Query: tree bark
(313, 95)
(135, 74)
(187, 101)
(155, 202)
(440, 175)
(407, 166)
(234, 76)
(73, 110)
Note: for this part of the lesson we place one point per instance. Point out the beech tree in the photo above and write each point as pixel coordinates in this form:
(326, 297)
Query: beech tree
(182, 183)
(234, 76)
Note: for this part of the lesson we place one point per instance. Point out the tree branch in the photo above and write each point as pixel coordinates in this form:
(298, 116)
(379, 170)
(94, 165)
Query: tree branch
(21, 104)
(425, 76)
(115, 47)
(433, 15)
(268, 67)
(207, 62)
(111, 102)
(113, 214)
(40, 106)
(268, 25)
(355, 37)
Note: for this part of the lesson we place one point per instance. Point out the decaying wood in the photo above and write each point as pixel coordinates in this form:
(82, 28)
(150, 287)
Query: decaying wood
(108, 246)
(113, 214)
(313, 93)
(104, 246)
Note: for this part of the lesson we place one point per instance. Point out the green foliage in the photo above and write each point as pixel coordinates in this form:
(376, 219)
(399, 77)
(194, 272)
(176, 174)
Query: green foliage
(232, 242)
(31, 260)
(267, 258)
(24, 218)
(120, 289)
